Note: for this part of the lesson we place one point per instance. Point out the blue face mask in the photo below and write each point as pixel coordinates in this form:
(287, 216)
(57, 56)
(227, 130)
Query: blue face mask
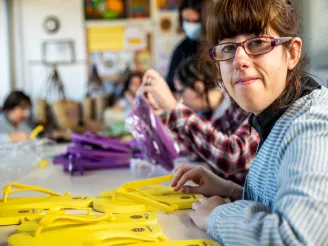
(192, 30)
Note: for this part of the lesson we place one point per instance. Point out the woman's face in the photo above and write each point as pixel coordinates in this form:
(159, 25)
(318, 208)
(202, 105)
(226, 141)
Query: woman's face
(18, 115)
(255, 82)
(191, 98)
(135, 83)
(190, 15)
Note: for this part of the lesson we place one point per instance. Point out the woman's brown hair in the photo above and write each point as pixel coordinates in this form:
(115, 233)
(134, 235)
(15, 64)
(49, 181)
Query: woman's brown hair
(228, 18)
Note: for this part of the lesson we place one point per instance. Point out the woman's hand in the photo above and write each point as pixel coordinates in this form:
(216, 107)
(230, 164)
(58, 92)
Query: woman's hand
(204, 208)
(18, 137)
(209, 184)
(154, 84)
(153, 104)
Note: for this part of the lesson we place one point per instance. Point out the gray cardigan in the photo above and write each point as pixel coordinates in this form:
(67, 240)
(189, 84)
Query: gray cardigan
(285, 199)
(6, 128)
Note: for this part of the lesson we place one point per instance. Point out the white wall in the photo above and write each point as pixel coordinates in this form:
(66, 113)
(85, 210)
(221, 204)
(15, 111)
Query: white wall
(4, 54)
(29, 34)
(315, 30)
(29, 17)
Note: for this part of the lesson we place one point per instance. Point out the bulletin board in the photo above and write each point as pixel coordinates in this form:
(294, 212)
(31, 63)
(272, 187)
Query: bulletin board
(133, 39)
(113, 48)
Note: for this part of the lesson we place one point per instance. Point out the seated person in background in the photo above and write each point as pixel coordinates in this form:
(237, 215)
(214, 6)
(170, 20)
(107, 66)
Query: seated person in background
(115, 116)
(129, 91)
(225, 141)
(16, 109)
(202, 98)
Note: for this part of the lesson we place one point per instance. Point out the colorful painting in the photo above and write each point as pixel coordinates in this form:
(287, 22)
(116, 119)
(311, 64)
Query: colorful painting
(104, 9)
(168, 4)
(139, 8)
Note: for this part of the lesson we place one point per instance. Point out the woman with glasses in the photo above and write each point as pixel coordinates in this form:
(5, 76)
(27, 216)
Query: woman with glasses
(15, 110)
(220, 136)
(284, 200)
(200, 96)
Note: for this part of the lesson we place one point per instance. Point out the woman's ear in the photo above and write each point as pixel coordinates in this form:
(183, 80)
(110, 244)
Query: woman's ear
(199, 87)
(295, 52)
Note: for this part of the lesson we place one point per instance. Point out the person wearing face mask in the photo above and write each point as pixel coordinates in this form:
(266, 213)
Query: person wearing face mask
(16, 109)
(190, 21)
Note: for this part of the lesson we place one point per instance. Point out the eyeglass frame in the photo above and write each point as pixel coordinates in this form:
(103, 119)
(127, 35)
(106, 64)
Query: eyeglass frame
(274, 42)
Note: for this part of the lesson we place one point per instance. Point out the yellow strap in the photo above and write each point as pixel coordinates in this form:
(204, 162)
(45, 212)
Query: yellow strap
(100, 238)
(55, 219)
(60, 209)
(37, 130)
(21, 187)
(145, 198)
(151, 181)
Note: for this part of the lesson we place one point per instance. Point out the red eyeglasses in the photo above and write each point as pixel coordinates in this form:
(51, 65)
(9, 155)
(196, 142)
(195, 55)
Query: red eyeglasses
(253, 46)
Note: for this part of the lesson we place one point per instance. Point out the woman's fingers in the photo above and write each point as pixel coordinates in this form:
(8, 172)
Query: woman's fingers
(192, 174)
(149, 76)
(191, 189)
(178, 172)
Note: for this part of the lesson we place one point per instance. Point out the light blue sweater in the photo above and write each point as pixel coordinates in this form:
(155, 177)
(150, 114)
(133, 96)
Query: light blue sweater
(285, 199)
(7, 128)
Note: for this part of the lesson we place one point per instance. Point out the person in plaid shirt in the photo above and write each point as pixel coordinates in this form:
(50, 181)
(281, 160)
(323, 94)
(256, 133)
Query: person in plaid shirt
(227, 143)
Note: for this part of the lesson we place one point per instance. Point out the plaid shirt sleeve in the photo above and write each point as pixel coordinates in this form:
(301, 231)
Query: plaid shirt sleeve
(229, 155)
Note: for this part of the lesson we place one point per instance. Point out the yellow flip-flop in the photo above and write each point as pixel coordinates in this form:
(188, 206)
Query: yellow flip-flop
(62, 221)
(17, 216)
(144, 195)
(195, 242)
(125, 235)
(41, 202)
(37, 130)
(154, 190)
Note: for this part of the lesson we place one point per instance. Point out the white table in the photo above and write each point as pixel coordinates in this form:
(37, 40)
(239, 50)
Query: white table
(177, 225)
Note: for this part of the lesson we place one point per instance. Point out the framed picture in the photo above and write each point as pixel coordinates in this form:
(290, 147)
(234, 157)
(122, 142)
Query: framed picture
(139, 8)
(58, 52)
(165, 5)
(104, 9)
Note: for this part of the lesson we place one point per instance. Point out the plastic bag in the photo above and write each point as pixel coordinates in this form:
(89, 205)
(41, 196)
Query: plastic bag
(18, 159)
(148, 130)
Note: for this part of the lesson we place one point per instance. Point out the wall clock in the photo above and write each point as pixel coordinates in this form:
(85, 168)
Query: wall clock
(51, 24)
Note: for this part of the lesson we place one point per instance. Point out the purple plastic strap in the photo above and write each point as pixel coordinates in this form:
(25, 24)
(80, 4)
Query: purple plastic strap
(73, 163)
(101, 141)
(96, 153)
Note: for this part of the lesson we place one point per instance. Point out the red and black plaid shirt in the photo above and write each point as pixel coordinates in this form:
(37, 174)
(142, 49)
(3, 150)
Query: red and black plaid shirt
(228, 145)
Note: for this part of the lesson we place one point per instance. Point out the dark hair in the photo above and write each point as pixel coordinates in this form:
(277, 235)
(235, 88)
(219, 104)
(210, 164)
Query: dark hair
(16, 99)
(190, 4)
(128, 81)
(188, 73)
(228, 18)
